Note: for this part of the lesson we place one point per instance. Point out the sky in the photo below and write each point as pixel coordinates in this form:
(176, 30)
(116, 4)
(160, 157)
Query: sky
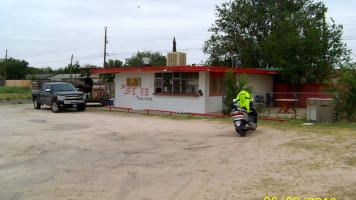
(47, 32)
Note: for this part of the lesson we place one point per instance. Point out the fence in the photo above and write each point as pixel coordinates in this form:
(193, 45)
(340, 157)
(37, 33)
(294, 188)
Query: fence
(286, 91)
(270, 98)
(284, 104)
(17, 83)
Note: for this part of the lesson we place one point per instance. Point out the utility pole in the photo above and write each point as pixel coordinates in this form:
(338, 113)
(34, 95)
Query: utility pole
(71, 66)
(105, 47)
(5, 65)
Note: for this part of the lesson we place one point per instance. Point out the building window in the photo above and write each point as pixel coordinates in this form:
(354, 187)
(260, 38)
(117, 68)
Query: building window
(177, 83)
(217, 84)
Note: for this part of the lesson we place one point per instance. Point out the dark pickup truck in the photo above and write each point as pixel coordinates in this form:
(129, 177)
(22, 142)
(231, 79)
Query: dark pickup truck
(59, 95)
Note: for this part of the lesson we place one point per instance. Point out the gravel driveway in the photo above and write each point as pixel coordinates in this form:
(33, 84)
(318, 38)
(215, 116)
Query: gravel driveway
(110, 155)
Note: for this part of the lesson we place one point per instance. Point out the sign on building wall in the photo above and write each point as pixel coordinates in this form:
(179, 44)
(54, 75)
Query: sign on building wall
(140, 93)
(133, 82)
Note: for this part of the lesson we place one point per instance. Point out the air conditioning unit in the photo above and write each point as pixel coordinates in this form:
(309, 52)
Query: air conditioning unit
(176, 59)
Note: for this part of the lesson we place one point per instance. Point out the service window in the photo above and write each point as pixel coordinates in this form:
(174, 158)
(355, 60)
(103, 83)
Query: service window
(177, 83)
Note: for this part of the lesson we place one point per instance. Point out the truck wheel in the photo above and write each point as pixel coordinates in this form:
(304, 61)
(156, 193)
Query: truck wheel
(55, 107)
(81, 107)
(104, 102)
(36, 104)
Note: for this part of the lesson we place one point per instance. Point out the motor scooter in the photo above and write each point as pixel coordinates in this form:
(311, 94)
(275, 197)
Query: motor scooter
(243, 121)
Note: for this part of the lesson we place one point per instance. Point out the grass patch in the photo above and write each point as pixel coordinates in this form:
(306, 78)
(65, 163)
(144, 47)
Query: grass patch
(331, 146)
(15, 93)
(313, 146)
(342, 193)
(8, 97)
(350, 161)
(15, 90)
(341, 128)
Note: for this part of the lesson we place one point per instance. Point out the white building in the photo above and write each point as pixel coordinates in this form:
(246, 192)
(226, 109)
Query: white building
(183, 89)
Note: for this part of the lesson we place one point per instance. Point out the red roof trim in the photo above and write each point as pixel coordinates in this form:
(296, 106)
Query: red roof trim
(184, 69)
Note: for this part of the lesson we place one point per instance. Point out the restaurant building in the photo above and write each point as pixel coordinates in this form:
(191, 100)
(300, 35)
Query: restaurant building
(184, 89)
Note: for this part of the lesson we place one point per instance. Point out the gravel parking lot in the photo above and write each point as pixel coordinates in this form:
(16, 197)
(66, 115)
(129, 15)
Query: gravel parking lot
(115, 155)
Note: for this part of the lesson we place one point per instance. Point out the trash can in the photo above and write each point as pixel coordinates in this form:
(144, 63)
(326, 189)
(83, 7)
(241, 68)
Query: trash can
(320, 110)
(111, 102)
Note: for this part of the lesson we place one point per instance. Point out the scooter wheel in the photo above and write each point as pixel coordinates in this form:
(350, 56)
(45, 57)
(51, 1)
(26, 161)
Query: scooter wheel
(254, 128)
(242, 133)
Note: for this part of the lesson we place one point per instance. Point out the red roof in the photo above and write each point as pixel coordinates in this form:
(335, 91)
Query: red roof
(183, 69)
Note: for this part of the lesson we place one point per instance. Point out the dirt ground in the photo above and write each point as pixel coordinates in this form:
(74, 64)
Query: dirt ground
(115, 155)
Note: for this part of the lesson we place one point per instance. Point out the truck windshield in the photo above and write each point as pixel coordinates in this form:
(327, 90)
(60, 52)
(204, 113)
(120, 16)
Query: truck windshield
(63, 87)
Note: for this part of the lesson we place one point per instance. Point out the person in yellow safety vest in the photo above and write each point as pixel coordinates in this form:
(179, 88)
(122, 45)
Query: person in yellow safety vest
(244, 99)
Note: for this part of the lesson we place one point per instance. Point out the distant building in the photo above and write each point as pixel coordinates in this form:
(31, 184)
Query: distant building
(39, 76)
(63, 77)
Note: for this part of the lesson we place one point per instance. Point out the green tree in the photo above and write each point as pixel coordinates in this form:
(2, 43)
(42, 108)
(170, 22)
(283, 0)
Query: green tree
(110, 77)
(112, 64)
(234, 86)
(15, 69)
(85, 70)
(34, 70)
(290, 35)
(229, 79)
(66, 70)
(63, 70)
(48, 70)
(345, 90)
(157, 59)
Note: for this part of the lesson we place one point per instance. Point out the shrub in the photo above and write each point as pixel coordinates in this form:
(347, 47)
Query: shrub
(345, 100)
(234, 86)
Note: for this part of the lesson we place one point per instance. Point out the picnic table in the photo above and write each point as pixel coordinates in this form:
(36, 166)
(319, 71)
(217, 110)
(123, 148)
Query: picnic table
(285, 104)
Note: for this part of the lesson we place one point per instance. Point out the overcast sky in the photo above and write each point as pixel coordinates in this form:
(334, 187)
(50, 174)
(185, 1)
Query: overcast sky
(47, 32)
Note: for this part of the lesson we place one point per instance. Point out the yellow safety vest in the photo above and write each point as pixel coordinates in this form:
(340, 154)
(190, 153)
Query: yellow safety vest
(244, 99)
